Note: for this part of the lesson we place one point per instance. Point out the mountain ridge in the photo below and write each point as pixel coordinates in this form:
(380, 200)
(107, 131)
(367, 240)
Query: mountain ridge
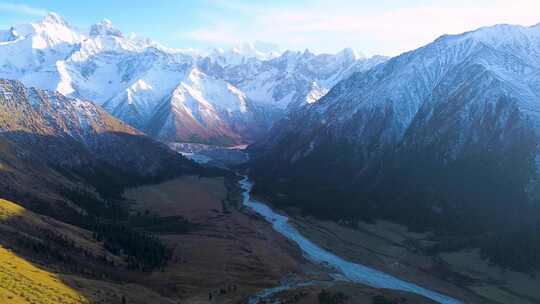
(72, 141)
(131, 77)
(443, 138)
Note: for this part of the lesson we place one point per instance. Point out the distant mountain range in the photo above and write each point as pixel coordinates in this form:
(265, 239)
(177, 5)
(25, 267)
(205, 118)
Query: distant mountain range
(221, 97)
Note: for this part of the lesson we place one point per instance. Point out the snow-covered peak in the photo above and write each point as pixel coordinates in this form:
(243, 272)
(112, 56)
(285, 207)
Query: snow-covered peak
(501, 60)
(350, 53)
(258, 49)
(194, 75)
(214, 92)
(243, 53)
(105, 38)
(292, 54)
(99, 44)
(519, 43)
(51, 30)
(105, 27)
(498, 36)
(308, 54)
(54, 19)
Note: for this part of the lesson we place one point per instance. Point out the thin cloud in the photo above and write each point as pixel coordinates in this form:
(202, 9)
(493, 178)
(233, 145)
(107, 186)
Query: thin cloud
(22, 9)
(216, 35)
(390, 31)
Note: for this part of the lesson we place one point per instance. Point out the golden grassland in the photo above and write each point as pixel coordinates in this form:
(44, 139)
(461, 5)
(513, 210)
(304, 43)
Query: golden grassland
(9, 209)
(22, 281)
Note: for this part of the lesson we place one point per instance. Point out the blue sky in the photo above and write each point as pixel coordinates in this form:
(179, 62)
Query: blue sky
(386, 27)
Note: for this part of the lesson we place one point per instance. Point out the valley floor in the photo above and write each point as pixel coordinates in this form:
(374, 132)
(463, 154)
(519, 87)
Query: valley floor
(230, 254)
(391, 248)
(233, 254)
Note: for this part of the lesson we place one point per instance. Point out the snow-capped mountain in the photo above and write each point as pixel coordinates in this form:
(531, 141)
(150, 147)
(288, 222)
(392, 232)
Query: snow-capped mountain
(189, 115)
(391, 96)
(451, 126)
(131, 78)
(221, 97)
(296, 78)
(243, 53)
(31, 51)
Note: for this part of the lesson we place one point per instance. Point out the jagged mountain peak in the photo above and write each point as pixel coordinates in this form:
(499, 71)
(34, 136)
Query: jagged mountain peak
(54, 18)
(296, 78)
(292, 54)
(307, 53)
(497, 36)
(243, 53)
(52, 24)
(105, 27)
(350, 53)
(131, 78)
(51, 30)
(257, 49)
(194, 73)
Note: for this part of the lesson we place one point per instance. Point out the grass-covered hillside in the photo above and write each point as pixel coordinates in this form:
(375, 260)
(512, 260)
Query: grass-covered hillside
(23, 282)
(44, 261)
